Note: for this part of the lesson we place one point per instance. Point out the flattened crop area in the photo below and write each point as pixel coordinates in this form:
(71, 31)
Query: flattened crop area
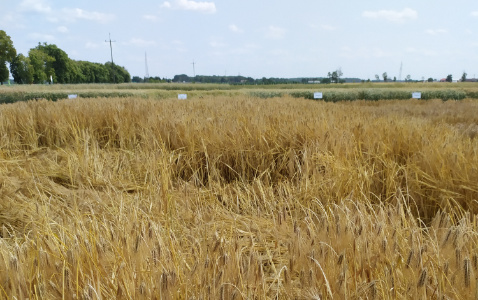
(238, 197)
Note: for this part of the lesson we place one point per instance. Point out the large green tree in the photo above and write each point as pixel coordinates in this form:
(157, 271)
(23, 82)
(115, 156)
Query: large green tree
(101, 73)
(21, 69)
(118, 74)
(61, 64)
(7, 54)
(46, 61)
(93, 72)
(335, 75)
(42, 65)
(67, 70)
(3, 72)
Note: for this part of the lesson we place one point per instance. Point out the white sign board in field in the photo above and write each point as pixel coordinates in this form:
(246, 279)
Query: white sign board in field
(417, 95)
(72, 96)
(182, 96)
(317, 95)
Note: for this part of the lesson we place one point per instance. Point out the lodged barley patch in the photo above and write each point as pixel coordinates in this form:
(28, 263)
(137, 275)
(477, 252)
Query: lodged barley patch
(238, 197)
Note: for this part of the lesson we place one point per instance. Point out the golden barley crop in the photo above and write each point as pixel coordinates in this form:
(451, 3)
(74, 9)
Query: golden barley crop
(238, 198)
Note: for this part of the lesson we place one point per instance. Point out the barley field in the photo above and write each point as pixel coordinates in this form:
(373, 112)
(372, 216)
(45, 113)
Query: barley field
(238, 197)
(331, 92)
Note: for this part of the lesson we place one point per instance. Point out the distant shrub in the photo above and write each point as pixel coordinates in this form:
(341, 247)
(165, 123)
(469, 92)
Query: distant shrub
(55, 96)
(302, 94)
(444, 95)
(387, 94)
(265, 94)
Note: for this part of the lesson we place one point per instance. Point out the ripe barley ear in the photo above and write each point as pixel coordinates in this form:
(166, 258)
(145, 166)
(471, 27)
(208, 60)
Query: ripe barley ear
(341, 259)
(445, 241)
(422, 279)
(373, 290)
(466, 269)
(458, 257)
(409, 259)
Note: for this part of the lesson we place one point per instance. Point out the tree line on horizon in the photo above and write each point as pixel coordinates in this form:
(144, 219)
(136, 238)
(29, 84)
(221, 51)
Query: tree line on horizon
(46, 63)
(242, 80)
(332, 77)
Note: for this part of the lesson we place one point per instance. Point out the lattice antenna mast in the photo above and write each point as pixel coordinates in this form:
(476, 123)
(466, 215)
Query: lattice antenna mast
(112, 62)
(194, 69)
(146, 75)
(400, 74)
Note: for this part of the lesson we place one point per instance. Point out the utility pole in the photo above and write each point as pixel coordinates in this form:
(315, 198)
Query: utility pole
(112, 62)
(194, 70)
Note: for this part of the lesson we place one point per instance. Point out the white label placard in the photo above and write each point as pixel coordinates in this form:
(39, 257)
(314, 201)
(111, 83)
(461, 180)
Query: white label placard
(417, 95)
(72, 96)
(318, 95)
(182, 96)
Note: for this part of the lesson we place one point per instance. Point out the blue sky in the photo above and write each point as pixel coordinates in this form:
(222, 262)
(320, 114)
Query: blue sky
(261, 38)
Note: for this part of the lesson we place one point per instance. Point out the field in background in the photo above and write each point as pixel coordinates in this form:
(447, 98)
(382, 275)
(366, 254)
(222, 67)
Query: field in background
(233, 196)
(331, 92)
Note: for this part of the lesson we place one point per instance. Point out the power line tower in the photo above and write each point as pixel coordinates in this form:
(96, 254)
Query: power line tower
(194, 70)
(146, 75)
(112, 62)
(400, 74)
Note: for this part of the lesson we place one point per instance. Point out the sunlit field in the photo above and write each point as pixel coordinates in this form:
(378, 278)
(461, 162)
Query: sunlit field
(229, 195)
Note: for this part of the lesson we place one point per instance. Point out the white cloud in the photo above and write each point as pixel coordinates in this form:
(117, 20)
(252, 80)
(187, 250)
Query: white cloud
(140, 42)
(474, 13)
(39, 37)
(62, 29)
(91, 45)
(246, 49)
(217, 44)
(204, 7)
(166, 4)
(73, 14)
(392, 15)
(275, 33)
(208, 7)
(39, 6)
(11, 20)
(235, 29)
(436, 31)
(150, 18)
(325, 27)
